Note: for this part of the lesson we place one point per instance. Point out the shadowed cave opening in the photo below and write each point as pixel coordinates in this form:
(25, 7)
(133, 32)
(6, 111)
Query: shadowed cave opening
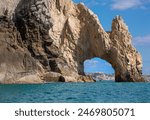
(98, 66)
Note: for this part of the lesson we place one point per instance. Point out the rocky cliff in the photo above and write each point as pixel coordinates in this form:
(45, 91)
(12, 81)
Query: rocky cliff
(48, 40)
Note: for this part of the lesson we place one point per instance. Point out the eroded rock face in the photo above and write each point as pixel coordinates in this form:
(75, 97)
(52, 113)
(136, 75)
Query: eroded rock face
(125, 59)
(8, 7)
(16, 63)
(58, 36)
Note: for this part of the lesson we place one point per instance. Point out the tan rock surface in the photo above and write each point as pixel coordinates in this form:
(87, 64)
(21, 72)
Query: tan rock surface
(58, 36)
(16, 63)
(52, 77)
(124, 58)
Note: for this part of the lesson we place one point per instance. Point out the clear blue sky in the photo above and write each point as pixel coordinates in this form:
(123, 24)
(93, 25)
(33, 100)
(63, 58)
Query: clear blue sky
(136, 14)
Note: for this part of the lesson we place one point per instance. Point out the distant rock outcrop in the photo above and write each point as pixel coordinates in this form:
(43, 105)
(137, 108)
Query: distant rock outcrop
(101, 76)
(146, 78)
(48, 40)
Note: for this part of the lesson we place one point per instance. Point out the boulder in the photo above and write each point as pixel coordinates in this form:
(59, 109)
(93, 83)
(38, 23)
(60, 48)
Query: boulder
(52, 77)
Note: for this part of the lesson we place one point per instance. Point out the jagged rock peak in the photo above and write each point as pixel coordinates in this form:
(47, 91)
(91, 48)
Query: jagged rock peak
(129, 61)
(119, 24)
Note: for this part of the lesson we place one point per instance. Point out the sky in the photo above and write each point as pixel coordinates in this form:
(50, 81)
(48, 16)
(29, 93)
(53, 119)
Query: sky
(136, 14)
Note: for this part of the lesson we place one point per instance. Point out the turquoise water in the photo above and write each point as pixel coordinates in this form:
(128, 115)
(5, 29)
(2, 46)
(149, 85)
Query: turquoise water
(98, 92)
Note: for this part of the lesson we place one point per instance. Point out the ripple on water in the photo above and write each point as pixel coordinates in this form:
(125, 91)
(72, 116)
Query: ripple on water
(106, 91)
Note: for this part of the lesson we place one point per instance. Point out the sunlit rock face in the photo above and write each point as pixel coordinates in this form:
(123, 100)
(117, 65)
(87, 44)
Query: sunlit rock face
(58, 36)
(125, 59)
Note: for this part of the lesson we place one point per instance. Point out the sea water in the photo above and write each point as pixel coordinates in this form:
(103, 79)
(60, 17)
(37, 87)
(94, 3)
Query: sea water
(96, 92)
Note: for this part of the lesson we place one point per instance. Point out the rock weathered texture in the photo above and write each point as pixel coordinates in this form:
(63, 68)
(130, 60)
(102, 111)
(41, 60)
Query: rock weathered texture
(16, 63)
(8, 7)
(48, 40)
(124, 58)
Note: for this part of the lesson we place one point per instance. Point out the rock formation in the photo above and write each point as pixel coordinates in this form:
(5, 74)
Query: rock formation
(48, 40)
(146, 78)
(102, 76)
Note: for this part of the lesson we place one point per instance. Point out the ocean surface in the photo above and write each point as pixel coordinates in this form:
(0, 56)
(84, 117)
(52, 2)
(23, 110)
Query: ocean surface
(98, 92)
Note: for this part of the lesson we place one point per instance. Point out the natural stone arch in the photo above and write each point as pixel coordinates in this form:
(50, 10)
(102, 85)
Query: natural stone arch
(76, 34)
(60, 35)
(115, 46)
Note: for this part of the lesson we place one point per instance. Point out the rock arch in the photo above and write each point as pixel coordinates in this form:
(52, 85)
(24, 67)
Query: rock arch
(61, 35)
(92, 41)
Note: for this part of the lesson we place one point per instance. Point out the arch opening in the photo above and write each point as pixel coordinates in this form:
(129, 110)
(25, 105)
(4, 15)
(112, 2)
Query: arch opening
(99, 69)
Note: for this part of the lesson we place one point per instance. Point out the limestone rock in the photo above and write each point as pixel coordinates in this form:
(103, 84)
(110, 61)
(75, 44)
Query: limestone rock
(7, 7)
(52, 77)
(124, 58)
(51, 39)
(16, 63)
